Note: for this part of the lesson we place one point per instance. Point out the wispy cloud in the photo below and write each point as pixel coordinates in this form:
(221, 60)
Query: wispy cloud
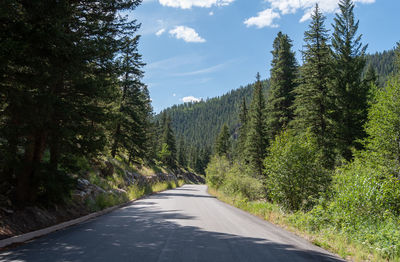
(263, 19)
(187, 34)
(175, 62)
(188, 99)
(187, 4)
(206, 70)
(160, 32)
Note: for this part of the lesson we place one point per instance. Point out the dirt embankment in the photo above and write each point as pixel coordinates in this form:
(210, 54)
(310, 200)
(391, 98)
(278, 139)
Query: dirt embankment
(16, 221)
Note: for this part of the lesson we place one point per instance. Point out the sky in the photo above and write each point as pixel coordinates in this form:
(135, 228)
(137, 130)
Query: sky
(198, 49)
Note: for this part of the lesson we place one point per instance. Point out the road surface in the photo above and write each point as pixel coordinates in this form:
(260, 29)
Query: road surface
(184, 224)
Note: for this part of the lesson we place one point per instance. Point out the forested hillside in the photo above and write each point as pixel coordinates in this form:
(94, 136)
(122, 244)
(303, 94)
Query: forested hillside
(199, 123)
(383, 63)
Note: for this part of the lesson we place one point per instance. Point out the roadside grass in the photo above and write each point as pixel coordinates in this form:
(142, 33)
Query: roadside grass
(133, 192)
(300, 223)
(115, 186)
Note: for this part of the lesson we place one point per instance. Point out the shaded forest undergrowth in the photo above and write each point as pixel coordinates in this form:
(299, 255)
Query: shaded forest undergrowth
(100, 184)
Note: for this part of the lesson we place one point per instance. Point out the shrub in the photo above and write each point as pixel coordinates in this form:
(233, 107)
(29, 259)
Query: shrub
(239, 182)
(295, 175)
(216, 171)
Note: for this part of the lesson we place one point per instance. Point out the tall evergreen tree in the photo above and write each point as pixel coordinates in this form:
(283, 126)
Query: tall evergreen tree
(182, 153)
(371, 77)
(257, 141)
(243, 121)
(313, 102)
(350, 93)
(168, 145)
(222, 144)
(131, 123)
(283, 76)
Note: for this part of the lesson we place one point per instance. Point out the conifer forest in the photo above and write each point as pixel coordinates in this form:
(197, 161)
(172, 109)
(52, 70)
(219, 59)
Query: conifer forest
(318, 141)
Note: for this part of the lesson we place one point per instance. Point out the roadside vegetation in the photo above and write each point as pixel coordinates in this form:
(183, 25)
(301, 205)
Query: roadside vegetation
(320, 155)
(72, 101)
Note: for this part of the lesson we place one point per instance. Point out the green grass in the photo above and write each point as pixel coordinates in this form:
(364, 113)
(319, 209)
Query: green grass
(342, 243)
(133, 192)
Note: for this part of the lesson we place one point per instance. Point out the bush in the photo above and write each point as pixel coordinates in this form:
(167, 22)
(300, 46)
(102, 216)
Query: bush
(239, 182)
(217, 170)
(233, 179)
(296, 177)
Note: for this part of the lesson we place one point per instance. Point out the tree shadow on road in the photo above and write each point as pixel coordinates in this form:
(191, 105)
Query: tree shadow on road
(141, 233)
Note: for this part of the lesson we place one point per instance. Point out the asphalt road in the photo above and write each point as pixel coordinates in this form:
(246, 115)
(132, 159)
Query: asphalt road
(184, 224)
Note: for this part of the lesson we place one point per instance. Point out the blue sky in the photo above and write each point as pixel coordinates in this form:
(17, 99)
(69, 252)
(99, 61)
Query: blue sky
(195, 49)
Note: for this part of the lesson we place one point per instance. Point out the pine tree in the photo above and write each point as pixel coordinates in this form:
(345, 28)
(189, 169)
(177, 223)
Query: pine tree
(222, 144)
(350, 93)
(283, 76)
(371, 77)
(182, 153)
(257, 142)
(313, 101)
(243, 118)
(168, 144)
(132, 120)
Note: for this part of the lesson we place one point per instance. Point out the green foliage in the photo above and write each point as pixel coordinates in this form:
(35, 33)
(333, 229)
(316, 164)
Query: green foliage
(165, 153)
(257, 140)
(240, 150)
(233, 179)
(383, 63)
(168, 145)
(349, 92)
(383, 126)
(283, 82)
(132, 118)
(222, 145)
(238, 182)
(59, 78)
(200, 123)
(217, 170)
(295, 175)
(182, 154)
(313, 101)
(55, 187)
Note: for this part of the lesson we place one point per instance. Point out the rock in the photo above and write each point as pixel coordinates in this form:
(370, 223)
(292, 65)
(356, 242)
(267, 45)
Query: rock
(7, 211)
(82, 184)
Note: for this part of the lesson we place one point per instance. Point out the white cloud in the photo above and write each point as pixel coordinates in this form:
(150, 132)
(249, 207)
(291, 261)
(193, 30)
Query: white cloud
(263, 19)
(187, 34)
(173, 94)
(292, 6)
(160, 32)
(187, 4)
(188, 99)
(211, 13)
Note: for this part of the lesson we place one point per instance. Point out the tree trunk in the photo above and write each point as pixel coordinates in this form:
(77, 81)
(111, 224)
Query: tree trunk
(26, 192)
